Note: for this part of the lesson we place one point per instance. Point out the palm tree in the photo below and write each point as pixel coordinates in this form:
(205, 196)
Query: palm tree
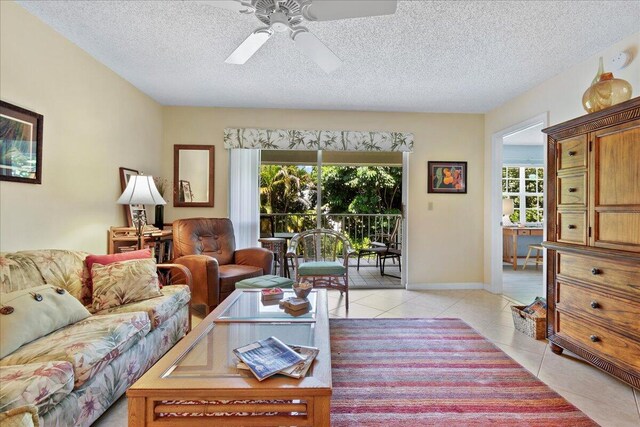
(282, 185)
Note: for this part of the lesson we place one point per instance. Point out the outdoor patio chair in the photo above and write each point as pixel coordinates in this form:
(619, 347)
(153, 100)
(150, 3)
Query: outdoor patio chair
(381, 245)
(321, 257)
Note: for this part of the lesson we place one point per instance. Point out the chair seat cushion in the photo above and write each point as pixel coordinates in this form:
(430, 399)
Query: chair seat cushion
(89, 345)
(321, 268)
(268, 281)
(230, 274)
(43, 384)
(159, 309)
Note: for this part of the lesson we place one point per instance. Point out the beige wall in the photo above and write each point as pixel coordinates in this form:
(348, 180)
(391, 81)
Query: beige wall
(94, 122)
(560, 98)
(445, 244)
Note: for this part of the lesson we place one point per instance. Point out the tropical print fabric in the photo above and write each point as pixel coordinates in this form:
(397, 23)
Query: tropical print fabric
(124, 282)
(40, 384)
(24, 416)
(60, 268)
(89, 345)
(285, 139)
(160, 308)
(85, 404)
(18, 272)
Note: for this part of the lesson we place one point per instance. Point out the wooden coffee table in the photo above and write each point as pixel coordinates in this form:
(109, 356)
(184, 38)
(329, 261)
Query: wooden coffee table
(197, 382)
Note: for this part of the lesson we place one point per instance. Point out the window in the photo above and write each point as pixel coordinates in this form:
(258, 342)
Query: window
(525, 185)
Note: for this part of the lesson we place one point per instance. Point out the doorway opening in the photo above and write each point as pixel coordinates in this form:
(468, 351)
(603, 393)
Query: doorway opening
(518, 211)
(360, 194)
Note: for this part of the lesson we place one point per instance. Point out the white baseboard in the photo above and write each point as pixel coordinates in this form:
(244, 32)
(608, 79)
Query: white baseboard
(444, 286)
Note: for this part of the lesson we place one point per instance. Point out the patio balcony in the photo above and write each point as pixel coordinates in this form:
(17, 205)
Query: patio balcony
(360, 228)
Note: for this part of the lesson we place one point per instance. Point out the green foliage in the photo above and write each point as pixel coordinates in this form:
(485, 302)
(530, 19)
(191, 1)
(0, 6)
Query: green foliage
(362, 189)
(283, 188)
(346, 189)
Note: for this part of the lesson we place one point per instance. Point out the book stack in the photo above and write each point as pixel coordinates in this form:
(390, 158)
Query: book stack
(295, 304)
(272, 294)
(271, 356)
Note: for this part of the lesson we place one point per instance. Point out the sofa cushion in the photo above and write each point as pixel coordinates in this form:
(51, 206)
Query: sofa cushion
(17, 272)
(124, 282)
(231, 273)
(42, 384)
(32, 313)
(64, 269)
(89, 344)
(321, 268)
(159, 309)
(111, 258)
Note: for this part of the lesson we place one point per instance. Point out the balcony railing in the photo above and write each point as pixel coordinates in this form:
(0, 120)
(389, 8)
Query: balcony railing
(358, 227)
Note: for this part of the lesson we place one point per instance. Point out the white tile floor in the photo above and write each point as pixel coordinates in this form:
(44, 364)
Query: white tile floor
(522, 285)
(602, 397)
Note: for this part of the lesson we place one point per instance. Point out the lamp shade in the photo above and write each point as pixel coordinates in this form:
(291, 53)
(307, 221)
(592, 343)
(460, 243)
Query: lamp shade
(141, 190)
(507, 206)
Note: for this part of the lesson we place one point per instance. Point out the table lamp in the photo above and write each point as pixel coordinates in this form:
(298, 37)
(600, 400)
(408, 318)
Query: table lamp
(507, 209)
(140, 191)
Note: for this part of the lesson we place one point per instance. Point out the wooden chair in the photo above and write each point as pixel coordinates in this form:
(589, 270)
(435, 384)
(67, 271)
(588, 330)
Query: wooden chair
(323, 261)
(538, 250)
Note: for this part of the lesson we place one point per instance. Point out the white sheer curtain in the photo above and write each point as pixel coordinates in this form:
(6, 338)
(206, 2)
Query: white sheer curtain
(244, 196)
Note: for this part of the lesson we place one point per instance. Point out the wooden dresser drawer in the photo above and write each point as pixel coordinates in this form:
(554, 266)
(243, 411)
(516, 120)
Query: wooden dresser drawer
(572, 153)
(599, 340)
(619, 313)
(619, 275)
(572, 227)
(572, 190)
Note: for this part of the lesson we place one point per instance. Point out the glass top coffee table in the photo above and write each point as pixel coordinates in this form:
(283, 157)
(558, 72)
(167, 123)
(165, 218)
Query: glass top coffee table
(197, 382)
(249, 307)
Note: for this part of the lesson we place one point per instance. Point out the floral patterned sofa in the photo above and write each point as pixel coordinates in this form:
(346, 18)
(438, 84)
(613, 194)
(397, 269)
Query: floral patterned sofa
(72, 375)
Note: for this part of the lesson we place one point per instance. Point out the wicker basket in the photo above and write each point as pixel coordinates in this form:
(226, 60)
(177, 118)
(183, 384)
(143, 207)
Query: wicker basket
(528, 324)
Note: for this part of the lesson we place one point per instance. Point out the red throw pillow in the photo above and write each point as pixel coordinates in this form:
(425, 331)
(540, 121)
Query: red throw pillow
(108, 259)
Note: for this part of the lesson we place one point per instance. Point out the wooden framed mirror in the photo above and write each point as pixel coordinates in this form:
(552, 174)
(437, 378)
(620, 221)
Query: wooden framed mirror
(193, 171)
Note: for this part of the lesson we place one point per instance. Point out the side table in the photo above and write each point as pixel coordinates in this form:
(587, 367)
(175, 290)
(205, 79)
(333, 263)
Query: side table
(277, 245)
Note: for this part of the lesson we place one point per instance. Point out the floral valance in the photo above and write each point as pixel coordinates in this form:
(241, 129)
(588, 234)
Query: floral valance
(286, 139)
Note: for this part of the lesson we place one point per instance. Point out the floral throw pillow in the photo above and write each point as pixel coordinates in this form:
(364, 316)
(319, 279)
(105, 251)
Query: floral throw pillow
(124, 282)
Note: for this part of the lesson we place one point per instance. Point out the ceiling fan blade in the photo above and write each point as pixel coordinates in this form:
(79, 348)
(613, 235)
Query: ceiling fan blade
(311, 46)
(249, 46)
(328, 10)
(236, 6)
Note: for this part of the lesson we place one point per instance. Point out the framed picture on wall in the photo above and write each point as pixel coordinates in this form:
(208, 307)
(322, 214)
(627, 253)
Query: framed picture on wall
(20, 144)
(447, 177)
(125, 173)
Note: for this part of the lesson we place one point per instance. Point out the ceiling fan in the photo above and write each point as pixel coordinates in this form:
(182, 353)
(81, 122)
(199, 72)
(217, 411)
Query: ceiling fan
(287, 15)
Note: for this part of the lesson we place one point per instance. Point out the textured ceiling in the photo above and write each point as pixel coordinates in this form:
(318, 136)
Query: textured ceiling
(433, 56)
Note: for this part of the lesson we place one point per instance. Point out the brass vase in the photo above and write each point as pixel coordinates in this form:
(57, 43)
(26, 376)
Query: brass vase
(605, 91)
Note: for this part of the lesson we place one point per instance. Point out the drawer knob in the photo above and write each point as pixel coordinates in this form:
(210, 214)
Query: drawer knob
(571, 227)
(572, 189)
(595, 271)
(594, 304)
(572, 153)
(594, 338)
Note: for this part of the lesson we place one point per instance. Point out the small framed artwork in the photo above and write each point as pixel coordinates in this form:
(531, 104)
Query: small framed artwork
(125, 173)
(20, 144)
(447, 177)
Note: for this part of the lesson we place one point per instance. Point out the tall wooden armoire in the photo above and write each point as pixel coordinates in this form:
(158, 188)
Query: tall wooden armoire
(593, 231)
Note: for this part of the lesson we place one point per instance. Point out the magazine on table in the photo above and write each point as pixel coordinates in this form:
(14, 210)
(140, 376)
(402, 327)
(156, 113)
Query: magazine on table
(266, 357)
(298, 370)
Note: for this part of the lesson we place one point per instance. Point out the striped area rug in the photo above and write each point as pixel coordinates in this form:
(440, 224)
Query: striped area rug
(419, 372)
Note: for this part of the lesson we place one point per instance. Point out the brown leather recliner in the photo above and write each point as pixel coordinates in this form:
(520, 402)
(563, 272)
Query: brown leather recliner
(207, 247)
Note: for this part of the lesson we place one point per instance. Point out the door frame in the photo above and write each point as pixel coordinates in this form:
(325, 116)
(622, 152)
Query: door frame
(493, 260)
